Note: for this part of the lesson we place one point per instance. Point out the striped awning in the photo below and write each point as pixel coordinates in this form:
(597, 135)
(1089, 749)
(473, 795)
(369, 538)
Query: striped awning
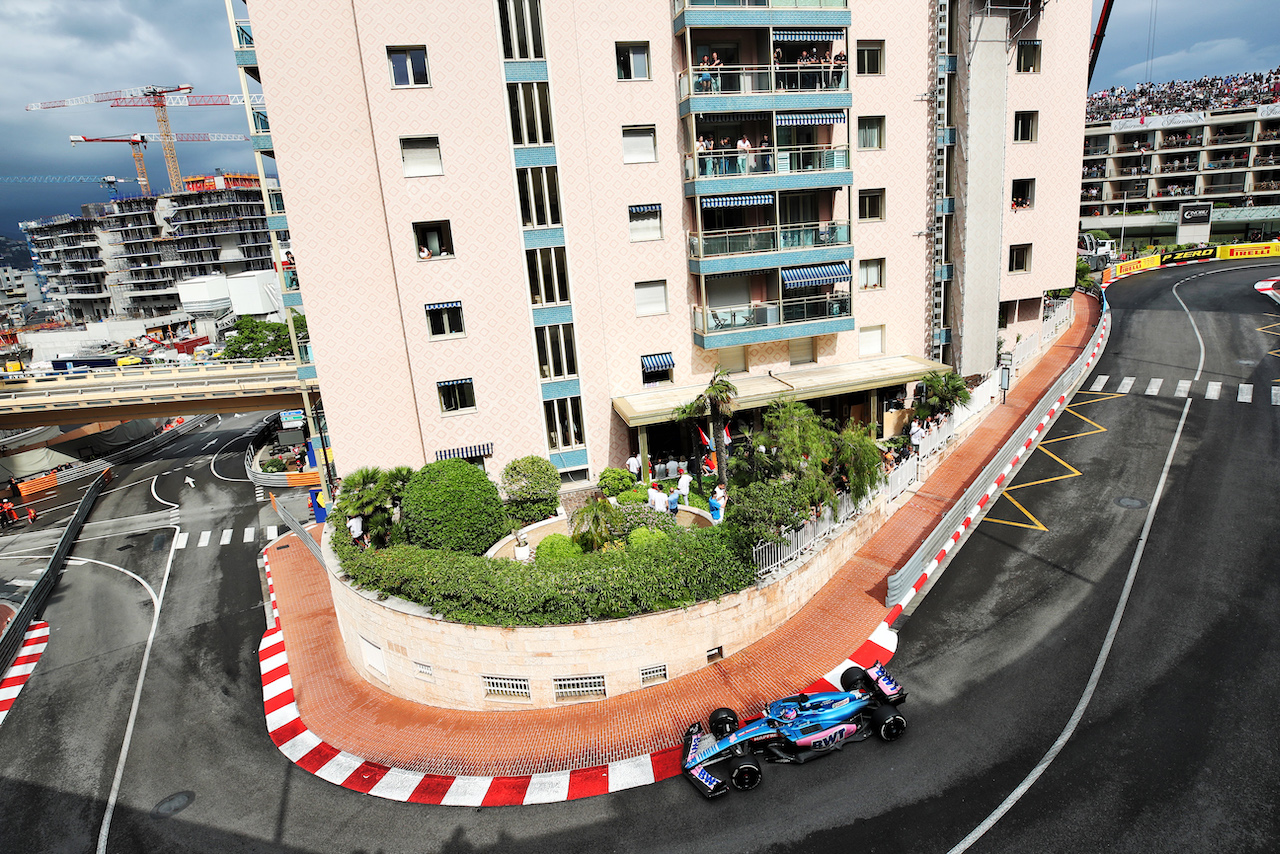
(635, 209)
(454, 304)
(731, 118)
(831, 117)
(466, 451)
(818, 274)
(444, 383)
(742, 200)
(658, 362)
(807, 35)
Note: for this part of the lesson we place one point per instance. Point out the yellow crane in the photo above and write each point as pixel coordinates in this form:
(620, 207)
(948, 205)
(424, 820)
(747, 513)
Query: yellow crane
(138, 141)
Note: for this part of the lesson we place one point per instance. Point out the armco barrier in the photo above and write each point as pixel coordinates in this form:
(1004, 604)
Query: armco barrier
(11, 640)
(904, 583)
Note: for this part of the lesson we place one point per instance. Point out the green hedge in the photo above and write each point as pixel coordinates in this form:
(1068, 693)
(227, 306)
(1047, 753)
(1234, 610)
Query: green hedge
(453, 505)
(680, 568)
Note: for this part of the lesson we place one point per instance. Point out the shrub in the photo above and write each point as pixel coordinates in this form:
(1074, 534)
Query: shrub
(554, 549)
(638, 495)
(532, 487)
(614, 482)
(643, 537)
(632, 516)
(273, 464)
(452, 505)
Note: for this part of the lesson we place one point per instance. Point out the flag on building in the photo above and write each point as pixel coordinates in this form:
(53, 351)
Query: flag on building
(728, 440)
(705, 441)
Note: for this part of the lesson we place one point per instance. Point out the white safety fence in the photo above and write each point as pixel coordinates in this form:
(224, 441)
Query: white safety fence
(931, 443)
(1062, 315)
(979, 398)
(1026, 349)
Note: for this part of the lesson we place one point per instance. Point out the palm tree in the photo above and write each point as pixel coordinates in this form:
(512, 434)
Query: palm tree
(591, 528)
(716, 401)
(943, 392)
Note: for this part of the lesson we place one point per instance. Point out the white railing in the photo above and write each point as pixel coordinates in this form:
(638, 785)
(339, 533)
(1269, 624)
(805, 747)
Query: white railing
(1026, 349)
(1061, 315)
(728, 318)
(757, 79)
(902, 476)
(931, 443)
(768, 238)
(978, 399)
(729, 162)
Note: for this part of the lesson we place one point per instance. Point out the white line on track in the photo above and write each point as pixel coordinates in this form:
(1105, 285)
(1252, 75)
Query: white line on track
(1244, 394)
(1213, 391)
(1099, 382)
(204, 539)
(1153, 387)
(1275, 395)
(1126, 384)
(1184, 388)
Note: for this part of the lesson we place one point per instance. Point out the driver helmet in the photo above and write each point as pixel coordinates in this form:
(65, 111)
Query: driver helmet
(787, 713)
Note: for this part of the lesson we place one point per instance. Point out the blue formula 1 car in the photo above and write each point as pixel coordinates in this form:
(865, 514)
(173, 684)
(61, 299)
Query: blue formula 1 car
(793, 729)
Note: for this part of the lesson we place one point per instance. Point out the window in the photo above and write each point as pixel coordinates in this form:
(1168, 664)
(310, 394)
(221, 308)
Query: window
(457, 395)
(521, 25)
(1028, 56)
(870, 205)
(651, 298)
(633, 61)
(435, 240)
(421, 156)
(800, 350)
(870, 132)
(656, 369)
(1020, 258)
(639, 145)
(871, 274)
(732, 359)
(530, 106)
(646, 222)
(548, 275)
(557, 358)
(1025, 126)
(570, 476)
(539, 190)
(444, 320)
(1024, 193)
(408, 66)
(871, 341)
(871, 57)
(564, 423)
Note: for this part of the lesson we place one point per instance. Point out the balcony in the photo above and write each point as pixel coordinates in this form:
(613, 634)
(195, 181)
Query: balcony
(772, 320)
(763, 87)
(768, 238)
(759, 13)
(1190, 166)
(1220, 189)
(776, 168)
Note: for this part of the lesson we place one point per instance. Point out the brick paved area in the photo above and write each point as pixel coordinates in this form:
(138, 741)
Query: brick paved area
(349, 713)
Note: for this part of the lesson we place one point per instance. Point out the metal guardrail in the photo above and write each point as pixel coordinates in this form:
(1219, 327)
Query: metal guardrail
(297, 528)
(11, 640)
(132, 452)
(262, 478)
(902, 580)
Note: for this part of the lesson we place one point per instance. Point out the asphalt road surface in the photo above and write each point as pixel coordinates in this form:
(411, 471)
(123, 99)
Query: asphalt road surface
(1086, 674)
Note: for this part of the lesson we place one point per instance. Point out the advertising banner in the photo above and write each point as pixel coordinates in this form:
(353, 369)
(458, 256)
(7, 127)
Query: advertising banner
(1189, 255)
(1249, 250)
(1195, 213)
(1137, 265)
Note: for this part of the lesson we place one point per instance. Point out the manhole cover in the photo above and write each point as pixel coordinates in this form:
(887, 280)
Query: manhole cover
(173, 804)
(1129, 503)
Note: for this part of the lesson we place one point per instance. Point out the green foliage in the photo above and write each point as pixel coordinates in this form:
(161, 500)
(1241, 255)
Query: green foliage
(532, 487)
(452, 505)
(857, 461)
(365, 493)
(554, 549)
(273, 464)
(299, 324)
(258, 339)
(801, 438)
(613, 482)
(591, 524)
(632, 516)
(643, 537)
(943, 392)
(716, 402)
(1084, 276)
(1100, 234)
(638, 495)
(758, 512)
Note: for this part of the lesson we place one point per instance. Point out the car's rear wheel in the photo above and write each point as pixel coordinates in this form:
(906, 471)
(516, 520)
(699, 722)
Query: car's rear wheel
(744, 773)
(888, 723)
(855, 679)
(723, 722)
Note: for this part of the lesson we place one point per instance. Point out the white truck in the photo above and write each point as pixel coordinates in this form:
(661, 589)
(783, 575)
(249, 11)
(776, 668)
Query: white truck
(1097, 253)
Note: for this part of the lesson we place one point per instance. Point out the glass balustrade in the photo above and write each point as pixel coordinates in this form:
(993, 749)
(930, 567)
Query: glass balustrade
(768, 238)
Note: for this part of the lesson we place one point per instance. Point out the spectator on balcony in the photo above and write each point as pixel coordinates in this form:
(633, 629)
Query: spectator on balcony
(840, 64)
(744, 154)
(704, 76)
(702, 148)
(725, 161)
(808, 80)
(764, 160)
(828, 67)
(716, 66)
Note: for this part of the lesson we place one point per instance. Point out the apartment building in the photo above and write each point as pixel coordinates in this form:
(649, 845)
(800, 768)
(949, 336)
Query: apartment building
(556, 220)
(1139, 173)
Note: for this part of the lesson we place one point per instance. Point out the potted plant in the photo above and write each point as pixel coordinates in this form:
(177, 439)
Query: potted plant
(523, 551)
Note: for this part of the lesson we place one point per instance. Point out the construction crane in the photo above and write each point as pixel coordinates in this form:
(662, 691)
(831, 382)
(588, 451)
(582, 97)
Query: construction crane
(1098, 35)
(138, 141)
(107, 181)
(150, 96)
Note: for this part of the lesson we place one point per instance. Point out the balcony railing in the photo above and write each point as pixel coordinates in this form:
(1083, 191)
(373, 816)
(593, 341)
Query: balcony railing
(728, 318)
(1187, 142)
(1191, 166)
(1223, 188)
(1266, 161)
(755, 79)
(726, 163)
(1228, 163)
(1096, 150)
(1229, 138)
(680, 5)
(768, 238)
(244, 35)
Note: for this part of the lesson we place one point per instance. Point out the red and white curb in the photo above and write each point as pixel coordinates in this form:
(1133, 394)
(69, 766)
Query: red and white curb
(309, 752)
(33, 646)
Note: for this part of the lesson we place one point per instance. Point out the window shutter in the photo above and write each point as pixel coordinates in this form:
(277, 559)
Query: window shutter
(732, 359)
(638, 145)
(421, 157)
(651, 298)
(801, 350)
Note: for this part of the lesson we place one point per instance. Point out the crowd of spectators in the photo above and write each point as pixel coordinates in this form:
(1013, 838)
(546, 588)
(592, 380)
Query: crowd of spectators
(1183, 96)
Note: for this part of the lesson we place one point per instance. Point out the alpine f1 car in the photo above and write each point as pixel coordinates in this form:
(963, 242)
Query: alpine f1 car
(794, 730)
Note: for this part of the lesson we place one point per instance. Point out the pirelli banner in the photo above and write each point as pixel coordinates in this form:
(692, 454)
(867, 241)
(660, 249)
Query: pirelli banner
(1249, 250)
(1189, 255)
(1126, 268)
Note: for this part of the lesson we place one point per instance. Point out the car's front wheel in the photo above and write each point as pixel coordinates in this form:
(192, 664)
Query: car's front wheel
(723, 722)
(744, 773)
(855, 679)
(888, 723)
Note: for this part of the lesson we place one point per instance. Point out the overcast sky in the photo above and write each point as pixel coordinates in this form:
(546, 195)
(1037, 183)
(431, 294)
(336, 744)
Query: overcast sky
(65, 48)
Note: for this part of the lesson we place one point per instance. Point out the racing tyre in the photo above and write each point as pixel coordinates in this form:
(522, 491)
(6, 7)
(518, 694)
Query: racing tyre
(723, 722)
(855, 679)
(744, 773)
(888, 723)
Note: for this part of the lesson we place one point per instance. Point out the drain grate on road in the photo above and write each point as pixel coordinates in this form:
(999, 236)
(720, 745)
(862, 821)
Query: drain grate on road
(1130, 503)
(172, 805)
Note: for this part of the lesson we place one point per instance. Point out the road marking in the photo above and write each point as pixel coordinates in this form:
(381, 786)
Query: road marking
(1183, 389)
(1099, 382)
(204, 539)
(1244, 394)
(1153, 387)
(248, 535)
(1126, 384)
(182, 540)
(1275, 395)
(1213, 391)
(273, 531)
(226, 537)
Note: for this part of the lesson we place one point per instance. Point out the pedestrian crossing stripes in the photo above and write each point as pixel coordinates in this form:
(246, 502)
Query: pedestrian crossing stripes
(1184, 388)
(248, 535)
(259, 493)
